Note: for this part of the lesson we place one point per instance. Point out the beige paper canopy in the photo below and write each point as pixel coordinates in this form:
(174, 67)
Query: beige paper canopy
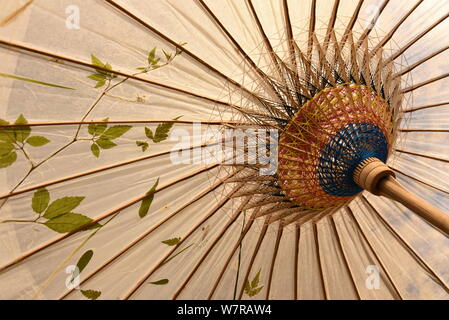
(108, 106)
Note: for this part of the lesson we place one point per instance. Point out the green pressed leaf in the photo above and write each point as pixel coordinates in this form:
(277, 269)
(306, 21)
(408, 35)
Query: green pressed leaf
(151, 56)
(68, 222)
(37, 141)
(100, 84)
(105, 143)
(115, 131)
(149, 133)
(96, 129)
(95, 150)
(97, 77)
(247, 287)
(91, 294)
(8, 159)
(255, 281)
(160, 282)
(7, 135)
(61, 206)
(84, 260)
(255, 291)
(144, 145)
(162, 131)
(5, 148)
(96, 62)
(3, 122)
(146, 202)
(172, 242)
(21, 132)
(40, 200)
(34, 81)
(167, 55)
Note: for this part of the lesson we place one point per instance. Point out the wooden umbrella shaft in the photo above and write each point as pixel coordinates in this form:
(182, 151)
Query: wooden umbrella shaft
(373, 175)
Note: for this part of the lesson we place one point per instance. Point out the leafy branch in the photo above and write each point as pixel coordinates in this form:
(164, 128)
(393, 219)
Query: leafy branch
(103, 136)
(13, 139)
(58, 214)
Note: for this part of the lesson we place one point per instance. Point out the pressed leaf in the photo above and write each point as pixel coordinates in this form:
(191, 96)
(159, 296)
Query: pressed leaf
(5, 148)
(8, 159)
(34, 81)
(255, 291)
(172, 242)
(151, 55)
(95, 150)
(21, 132)
(84, 260)
(97, 77)
(96, 62)
(149, 133)
(105, 143)
(7, 135)
(37, 141)
(61, 206)
(144, 145)
(167, 55)
(162, 131)
(247, 287)
(3, 122)
(115, 131)
(100, 84)
(91, 294)
(40, 200)
(160, 282)
(67, 222)
(255, 281)
(146, 202)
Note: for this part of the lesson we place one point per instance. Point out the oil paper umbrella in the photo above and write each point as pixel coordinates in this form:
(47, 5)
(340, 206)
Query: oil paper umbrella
(224, 149)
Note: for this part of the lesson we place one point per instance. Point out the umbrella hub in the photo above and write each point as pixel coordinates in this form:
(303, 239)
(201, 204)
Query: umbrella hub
(327, 139)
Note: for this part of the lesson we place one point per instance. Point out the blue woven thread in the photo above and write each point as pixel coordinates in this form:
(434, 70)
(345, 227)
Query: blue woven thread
(344, 152)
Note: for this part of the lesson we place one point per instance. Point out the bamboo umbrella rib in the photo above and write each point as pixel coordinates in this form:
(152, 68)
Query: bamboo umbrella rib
(68, 123)
(311, 28)
(396, 27)
(236, 246)
(423, 155)
(408, 247)
(102, 169)
(128, 247)
(362, 233)
(236, 214)
(273, 259)
(331, 24)
(216, 208)
(296, 262)
(421, 181)
(434, 105)
(343, 254)
(239, 48)
(419, 62)
(320, 267)
(96, 220)
(372, 24)
(253, 257)
(424, 83)
(417, 38)
(424, 130)
(351, 23)
(40, 52)
(173, 43)
(288, 27)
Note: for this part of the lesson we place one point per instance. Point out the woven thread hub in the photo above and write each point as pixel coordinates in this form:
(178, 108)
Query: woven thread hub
(327, 139)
